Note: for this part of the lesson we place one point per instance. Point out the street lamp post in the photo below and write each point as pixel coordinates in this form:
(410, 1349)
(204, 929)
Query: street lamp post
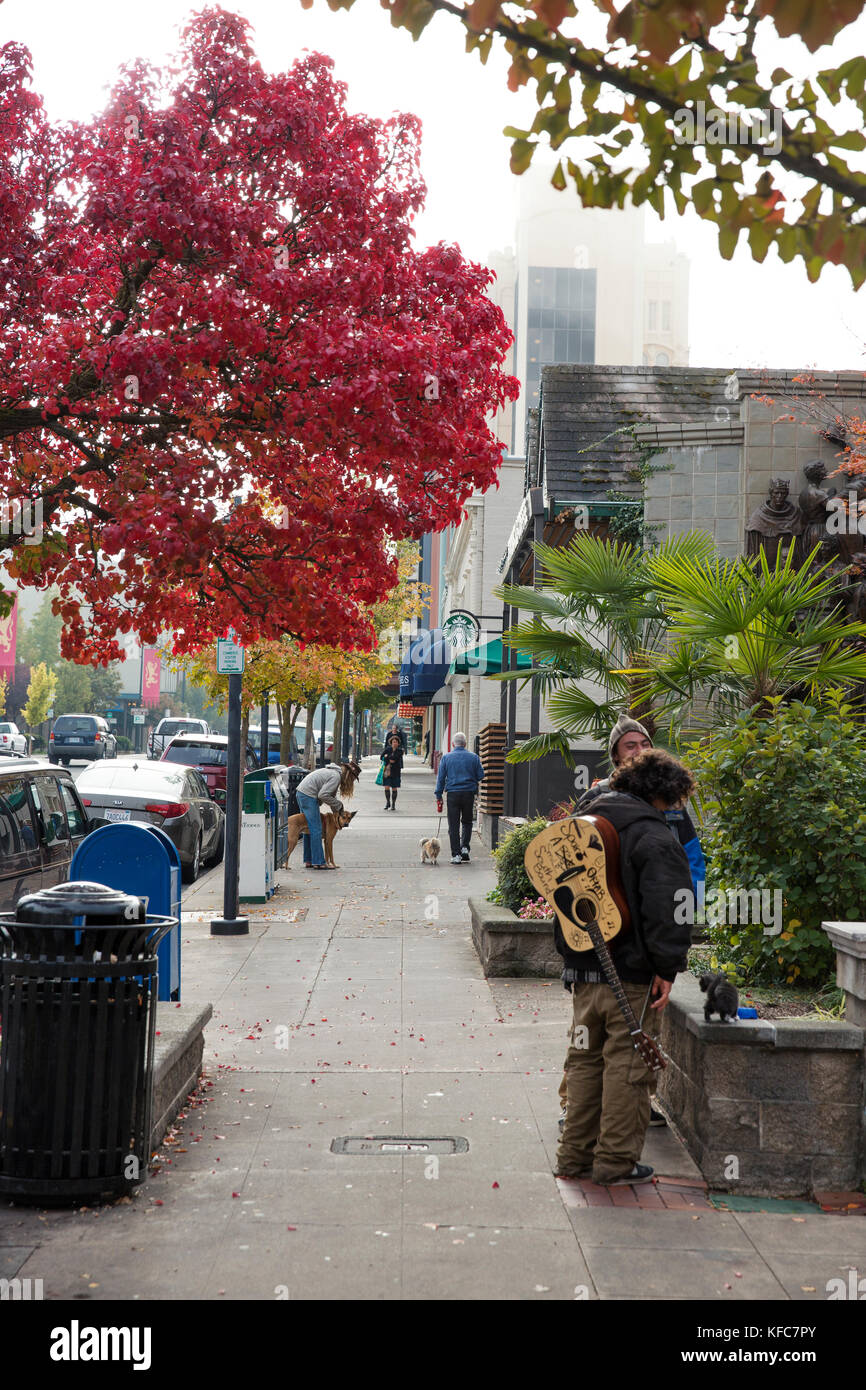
(230, 924)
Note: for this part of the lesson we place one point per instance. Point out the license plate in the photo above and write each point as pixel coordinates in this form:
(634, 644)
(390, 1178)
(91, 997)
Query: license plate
(75, 740)
(118, 815)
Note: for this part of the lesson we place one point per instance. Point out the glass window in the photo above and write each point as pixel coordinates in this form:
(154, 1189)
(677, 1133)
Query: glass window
(74, 724)
(197, 754)
(47, 795)
(652, 314)
(198, 785)
(74, 813)
(17, 829)
(666, 316)
(560, 347)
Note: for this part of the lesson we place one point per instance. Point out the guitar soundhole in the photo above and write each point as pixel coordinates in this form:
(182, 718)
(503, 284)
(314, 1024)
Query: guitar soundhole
(584, 910)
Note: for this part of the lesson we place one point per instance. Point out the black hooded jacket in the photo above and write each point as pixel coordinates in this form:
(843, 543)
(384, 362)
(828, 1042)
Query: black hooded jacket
(654, 868)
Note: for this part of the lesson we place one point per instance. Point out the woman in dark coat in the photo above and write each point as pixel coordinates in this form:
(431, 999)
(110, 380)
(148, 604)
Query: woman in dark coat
(392, 760)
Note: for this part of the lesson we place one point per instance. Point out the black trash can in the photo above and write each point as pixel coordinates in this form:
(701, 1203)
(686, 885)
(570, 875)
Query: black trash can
(78, 988)
(291, 779)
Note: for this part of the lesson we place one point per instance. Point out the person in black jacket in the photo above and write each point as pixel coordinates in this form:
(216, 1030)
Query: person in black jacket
(627, 740)
(608, 1084)
(392, 761)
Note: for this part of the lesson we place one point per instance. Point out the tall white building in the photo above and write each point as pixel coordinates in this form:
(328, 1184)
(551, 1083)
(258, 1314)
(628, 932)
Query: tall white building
(584, 285)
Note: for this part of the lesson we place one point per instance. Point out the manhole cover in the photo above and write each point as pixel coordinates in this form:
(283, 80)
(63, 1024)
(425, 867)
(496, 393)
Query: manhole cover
(399, 1144)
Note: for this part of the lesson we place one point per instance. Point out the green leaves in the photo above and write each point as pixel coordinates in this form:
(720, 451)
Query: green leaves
(784, 794)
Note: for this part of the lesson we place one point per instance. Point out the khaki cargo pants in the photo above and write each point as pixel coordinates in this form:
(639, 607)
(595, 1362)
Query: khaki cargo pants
(608, 1085)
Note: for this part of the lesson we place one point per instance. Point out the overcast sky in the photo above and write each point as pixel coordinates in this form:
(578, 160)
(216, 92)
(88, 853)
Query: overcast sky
(742, 314)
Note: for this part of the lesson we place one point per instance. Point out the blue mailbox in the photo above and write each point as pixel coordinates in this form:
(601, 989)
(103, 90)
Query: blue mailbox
(139, 859)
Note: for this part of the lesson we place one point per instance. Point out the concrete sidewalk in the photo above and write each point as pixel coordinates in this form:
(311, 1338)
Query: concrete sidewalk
(356, 1007)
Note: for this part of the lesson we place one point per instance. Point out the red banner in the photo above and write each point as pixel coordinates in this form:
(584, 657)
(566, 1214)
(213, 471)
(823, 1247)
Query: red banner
(150, 676)
(8, 636)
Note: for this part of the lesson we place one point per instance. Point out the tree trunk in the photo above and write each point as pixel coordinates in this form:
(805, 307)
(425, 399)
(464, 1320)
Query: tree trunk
(339, 707)
(310, 750)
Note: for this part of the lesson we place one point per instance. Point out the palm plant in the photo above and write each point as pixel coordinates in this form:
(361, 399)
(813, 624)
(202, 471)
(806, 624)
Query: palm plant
(741, 632)
(596, 615)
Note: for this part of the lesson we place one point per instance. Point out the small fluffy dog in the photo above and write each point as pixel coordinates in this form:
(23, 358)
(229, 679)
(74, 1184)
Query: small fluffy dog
(430, 850)
(722, 998)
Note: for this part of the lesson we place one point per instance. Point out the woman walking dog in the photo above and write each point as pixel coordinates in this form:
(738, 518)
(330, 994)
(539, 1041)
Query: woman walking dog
(392, 763)
(323, 786)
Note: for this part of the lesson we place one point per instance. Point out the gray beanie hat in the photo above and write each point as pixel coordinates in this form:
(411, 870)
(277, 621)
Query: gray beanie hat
(624, 725)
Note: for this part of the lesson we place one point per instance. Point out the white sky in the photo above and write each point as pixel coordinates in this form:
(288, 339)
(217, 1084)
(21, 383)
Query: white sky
(742, 314)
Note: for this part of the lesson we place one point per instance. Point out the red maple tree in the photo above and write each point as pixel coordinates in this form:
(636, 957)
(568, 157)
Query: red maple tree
(225, 370)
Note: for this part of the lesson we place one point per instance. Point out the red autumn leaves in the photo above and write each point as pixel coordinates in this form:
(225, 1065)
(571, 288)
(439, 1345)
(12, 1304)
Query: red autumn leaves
(224, 367)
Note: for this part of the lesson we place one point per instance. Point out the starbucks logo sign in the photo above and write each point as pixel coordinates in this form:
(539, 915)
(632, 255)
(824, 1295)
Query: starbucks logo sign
(462, 628)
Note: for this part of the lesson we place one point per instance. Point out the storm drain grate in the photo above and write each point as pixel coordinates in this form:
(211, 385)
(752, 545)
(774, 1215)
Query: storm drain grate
(399, 1144)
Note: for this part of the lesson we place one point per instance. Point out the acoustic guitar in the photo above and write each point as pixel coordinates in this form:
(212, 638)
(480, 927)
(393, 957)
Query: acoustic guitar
(574, 865)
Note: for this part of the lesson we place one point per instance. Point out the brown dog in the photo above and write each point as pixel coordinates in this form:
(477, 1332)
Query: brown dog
(331, 823)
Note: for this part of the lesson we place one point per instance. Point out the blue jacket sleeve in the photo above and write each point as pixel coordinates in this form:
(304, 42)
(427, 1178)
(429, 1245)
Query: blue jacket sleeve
(480, 767)
(697, 864)
(440, 780)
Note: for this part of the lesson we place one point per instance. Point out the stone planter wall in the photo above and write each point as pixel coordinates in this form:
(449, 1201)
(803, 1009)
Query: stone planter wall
(765, 1108)
(506, 945)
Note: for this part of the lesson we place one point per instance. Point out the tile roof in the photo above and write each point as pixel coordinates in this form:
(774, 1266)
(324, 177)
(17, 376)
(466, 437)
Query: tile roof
(579, 450)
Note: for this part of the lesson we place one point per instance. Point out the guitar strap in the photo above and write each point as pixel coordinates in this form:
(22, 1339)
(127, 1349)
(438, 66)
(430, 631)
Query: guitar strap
(645, 1003)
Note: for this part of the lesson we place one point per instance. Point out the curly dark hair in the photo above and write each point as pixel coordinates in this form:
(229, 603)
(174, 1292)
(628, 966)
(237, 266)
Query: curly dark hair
(653, 775)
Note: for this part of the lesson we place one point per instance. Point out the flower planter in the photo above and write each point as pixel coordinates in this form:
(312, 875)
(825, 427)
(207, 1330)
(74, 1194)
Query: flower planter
(507, 945)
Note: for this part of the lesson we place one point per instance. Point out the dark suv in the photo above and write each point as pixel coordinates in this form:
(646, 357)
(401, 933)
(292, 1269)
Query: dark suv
(84, 737)
(42, 823)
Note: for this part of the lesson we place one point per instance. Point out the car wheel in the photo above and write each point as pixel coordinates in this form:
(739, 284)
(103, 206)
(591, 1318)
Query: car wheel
(192, 870)
(219, 850)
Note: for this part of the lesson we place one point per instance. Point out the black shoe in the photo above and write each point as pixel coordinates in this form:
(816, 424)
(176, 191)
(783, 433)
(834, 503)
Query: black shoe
(641, 1172)
(464, 854)
(657, 1119)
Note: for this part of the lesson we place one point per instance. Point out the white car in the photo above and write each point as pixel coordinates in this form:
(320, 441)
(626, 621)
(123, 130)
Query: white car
(170, 728)
(11, 741)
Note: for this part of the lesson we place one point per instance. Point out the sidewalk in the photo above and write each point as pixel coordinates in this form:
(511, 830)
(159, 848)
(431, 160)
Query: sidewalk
(356, 1007)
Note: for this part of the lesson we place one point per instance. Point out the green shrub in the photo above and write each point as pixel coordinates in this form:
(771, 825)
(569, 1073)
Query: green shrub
(785, 800)
(512, 879)
(124, 744)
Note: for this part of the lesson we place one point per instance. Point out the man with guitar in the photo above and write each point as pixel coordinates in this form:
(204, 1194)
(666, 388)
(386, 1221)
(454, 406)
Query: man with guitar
(627, 740)
(613, 876)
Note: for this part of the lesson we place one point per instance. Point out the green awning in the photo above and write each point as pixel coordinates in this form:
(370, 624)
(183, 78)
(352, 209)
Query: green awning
(485, 660)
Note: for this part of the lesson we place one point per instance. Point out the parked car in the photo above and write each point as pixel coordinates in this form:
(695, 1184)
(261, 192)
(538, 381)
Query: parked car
(42, 823)
(300, 734)
(209, 753)
(174, 798)
(11, 741)
(169, 728)
(82, 737)
(255, 738)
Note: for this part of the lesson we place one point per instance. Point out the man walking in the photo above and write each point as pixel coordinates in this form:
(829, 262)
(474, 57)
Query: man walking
(460, 772)
(608, 1085)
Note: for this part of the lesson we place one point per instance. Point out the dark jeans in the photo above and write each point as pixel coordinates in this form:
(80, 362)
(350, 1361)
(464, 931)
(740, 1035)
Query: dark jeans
(314, 849)
(460, 807)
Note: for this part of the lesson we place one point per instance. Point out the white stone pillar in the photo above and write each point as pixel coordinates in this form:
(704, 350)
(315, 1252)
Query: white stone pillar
(849, 940)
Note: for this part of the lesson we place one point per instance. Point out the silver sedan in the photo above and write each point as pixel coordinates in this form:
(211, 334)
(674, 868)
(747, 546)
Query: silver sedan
(174, 798)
